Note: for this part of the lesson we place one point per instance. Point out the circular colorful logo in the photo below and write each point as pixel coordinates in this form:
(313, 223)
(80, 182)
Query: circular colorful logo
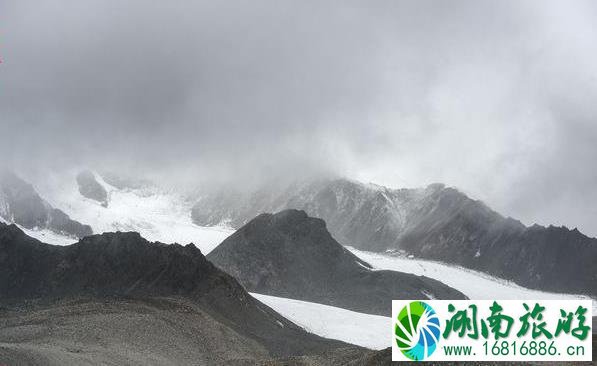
(417, 330)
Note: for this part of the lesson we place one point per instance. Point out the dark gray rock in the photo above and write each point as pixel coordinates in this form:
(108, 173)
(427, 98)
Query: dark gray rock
(292, 255)
(452, 228)
(90, 188)
(115, 267)
(20, 203)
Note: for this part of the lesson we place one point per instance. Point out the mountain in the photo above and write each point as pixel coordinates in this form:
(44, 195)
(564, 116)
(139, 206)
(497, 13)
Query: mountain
(290, 254)
(90, 188)
(116, 298)
(21, 204)
(157, 213)
(435, 222)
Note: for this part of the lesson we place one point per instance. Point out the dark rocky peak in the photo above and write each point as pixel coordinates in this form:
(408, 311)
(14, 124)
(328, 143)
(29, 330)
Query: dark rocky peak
(21, 204)
(436, 222)
(125, 263)
(290, 254)
(24, 205)
(123, 268)
(90, 188)
(109, 264)
(288, 236)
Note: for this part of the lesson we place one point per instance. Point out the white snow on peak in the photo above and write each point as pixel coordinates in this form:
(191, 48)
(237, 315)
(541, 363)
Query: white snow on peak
(158, 215)
(3, 209)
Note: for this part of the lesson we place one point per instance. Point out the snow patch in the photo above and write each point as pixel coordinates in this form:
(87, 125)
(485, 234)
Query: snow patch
(48, 236)
(475, 285)
(366, 330)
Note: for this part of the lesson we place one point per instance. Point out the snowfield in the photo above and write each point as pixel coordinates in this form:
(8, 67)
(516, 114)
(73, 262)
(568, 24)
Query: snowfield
(158, 215)
(475, 285)
(48, 236)
(371, 331)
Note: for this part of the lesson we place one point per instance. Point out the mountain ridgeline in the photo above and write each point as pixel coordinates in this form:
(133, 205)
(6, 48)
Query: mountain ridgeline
(116, 298)
(435, 222)
(290, 254)
(20, 204)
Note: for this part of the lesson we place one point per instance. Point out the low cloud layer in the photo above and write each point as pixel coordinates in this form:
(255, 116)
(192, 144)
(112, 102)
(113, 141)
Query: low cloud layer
(494, 97)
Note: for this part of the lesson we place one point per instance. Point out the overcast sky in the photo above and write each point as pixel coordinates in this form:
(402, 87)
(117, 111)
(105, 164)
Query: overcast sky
(497, 98)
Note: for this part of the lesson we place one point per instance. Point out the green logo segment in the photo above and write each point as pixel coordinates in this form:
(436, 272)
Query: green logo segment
(417, 330)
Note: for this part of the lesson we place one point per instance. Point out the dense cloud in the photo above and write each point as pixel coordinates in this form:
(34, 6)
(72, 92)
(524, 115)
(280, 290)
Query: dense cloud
(494, 97)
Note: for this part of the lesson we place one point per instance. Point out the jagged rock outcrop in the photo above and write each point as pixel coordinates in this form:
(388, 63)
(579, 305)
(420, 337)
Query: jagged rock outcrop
(290, 254)
(20, 204)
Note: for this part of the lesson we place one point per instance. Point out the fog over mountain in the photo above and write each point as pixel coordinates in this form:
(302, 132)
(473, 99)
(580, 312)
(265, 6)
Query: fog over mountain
(495, 98)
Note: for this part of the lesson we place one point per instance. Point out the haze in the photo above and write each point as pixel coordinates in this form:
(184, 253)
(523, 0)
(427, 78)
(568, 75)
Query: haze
(496, 98)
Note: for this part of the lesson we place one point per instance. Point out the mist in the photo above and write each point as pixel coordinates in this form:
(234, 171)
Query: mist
(494, 98)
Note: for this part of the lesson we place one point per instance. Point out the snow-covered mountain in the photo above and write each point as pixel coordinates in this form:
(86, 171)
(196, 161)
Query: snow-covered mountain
(156, 213)
(22, 205)
(436, 222)
(371, 211)
(164, 215)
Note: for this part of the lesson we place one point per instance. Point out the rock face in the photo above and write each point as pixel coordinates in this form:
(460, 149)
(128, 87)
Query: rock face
(459, 230)
(292, 255)
(119, 285)
(20, 203)
(90, 188)
(436, 222)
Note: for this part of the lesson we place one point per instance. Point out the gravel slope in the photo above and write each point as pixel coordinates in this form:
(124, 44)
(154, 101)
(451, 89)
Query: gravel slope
(116, 298)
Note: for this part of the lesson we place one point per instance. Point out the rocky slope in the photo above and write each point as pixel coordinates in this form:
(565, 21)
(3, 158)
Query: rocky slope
(292, 255)
(20, 204)
(436, 222)
(90, 188)
(117, 299)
